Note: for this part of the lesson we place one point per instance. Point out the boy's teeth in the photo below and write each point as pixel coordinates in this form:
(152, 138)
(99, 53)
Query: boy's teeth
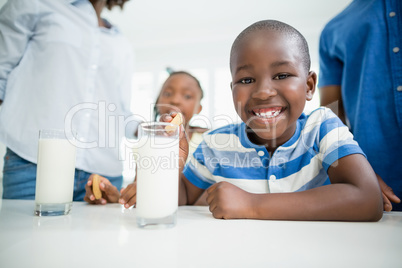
(269, 114)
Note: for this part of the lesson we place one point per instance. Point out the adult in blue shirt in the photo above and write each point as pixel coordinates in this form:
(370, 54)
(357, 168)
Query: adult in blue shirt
(361, 80)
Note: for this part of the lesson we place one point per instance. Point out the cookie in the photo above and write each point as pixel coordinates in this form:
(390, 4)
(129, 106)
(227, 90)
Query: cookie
(95, 186)
(177, 121)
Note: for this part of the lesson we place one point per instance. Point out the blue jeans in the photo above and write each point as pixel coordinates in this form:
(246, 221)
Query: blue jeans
(19, 179)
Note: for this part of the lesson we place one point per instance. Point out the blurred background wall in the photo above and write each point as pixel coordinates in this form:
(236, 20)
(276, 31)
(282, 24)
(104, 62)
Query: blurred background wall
(197, 36)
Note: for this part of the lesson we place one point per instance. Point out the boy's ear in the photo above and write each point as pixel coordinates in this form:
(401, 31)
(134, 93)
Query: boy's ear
(311, 84)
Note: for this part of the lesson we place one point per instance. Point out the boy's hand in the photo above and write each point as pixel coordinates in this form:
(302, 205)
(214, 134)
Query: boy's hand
(183, 145)
(128, 196)
(110, 194)
(388, 195)
(227, 201)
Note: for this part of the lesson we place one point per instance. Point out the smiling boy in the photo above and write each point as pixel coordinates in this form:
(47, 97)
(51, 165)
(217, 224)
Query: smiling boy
(280, 163)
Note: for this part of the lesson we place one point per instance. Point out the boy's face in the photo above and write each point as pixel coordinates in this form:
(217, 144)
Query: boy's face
(270, 86)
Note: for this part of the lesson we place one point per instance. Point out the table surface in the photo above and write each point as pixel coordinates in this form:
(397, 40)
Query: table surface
(107, 236)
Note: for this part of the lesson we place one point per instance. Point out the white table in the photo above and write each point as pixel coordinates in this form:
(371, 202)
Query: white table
(107, 236)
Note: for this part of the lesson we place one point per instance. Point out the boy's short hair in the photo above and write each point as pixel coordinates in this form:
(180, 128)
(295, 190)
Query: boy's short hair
(279, 27)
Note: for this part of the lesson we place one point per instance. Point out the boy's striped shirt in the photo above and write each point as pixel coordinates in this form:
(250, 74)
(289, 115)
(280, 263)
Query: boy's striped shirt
(226, 154)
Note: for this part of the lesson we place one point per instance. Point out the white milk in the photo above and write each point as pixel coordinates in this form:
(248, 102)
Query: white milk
(55, 173)
(157, 177)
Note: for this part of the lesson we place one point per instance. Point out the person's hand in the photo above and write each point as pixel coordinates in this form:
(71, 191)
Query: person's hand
(110, 194)
(183, 145)
(388, 195)
(227, 201)
(202, 200)
(128, 195)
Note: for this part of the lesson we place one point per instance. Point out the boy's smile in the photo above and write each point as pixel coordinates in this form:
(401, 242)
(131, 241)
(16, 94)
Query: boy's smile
(270, 86)
(267, 114)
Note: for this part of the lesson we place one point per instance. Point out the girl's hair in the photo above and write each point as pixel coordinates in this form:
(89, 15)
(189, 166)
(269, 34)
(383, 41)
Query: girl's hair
(156, 112)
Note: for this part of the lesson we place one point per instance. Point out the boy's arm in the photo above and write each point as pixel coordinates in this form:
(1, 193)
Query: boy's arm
(188, 193)
(354, 195)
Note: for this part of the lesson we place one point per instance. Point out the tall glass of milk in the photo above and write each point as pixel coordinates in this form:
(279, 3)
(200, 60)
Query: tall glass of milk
(55, 174)
(157, 154)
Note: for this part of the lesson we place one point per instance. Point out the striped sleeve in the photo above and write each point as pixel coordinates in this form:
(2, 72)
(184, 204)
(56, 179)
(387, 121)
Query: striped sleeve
(335, 140)
(196, 170)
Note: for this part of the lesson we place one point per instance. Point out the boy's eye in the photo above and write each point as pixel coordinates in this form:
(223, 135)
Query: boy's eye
(247, 80)
(166, 94)
(281, 76)
(188, 97)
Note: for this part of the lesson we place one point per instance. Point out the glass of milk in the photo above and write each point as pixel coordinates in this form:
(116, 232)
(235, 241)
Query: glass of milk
(157, 154)
(55, 174)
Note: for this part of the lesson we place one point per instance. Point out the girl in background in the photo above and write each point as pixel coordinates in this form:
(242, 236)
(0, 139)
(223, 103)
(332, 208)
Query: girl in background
(180, 93)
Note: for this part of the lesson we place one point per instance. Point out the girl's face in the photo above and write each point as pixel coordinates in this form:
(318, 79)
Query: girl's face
(180, 93)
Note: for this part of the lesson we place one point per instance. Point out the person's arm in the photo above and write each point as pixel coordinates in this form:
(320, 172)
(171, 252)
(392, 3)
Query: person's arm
(331, 97)
(188, 193)
(353, 195)
(128, 195)
(202, 200)
(388, 195)
(17, 23)
(110, 194)
(331, 73)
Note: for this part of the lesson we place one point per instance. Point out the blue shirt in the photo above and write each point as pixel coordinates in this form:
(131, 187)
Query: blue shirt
(361, 50)
(226, 154)
(60, 70)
